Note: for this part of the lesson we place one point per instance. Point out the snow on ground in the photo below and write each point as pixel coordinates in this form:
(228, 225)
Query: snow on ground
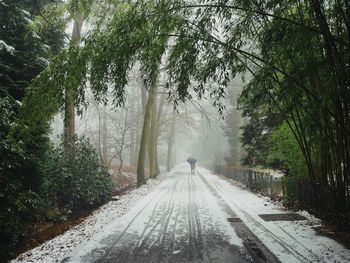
(275, 173)
(290, 241)
(179, 221)
(311, 219)
(54, 249)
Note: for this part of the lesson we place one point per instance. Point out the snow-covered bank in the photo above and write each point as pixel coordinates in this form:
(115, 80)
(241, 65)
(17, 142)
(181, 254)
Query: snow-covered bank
(312, 220)
(54, 249)
(290, 241)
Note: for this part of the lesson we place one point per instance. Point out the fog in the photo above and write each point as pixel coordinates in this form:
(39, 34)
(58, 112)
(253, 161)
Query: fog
(191, 128)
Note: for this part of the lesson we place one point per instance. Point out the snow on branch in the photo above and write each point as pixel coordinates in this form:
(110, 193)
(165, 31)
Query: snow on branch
(4, 46)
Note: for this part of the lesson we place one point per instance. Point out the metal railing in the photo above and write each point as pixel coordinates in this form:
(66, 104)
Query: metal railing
(258, 181)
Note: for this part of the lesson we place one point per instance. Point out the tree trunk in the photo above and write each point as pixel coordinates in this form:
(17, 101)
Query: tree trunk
(144, 138)
(169, 155)
(69, 113)
(153, 137)
(144, 100)
(170, 142)
(140, 114)
(158, 121)
(132, 135)
(104, 139)
(98, 144)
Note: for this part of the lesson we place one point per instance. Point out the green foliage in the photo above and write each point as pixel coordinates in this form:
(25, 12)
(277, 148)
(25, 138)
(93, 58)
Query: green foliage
(37, 179)
(262, 121)
(297, 54)
(284, 152)
(76, 7)
(75, 180)
(23, 55)
(139, 31)
(300, 76)
(20, 175)
(26, 59)
(49, 24)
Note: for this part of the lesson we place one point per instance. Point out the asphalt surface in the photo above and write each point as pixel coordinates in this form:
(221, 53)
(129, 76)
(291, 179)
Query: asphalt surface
(185, 220)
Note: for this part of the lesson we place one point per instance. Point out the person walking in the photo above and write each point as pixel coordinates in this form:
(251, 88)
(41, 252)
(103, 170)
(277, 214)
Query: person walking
(192, 163)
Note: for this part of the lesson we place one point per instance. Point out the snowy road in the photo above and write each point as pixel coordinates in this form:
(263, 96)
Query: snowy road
(186, 219)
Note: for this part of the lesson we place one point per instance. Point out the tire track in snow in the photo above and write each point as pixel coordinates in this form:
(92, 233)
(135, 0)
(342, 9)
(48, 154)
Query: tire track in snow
(110, 248)
(164, 221)
(196, 220)
(195, 242)
(297, 241)
(189, 223)
(277, 239)
(163, 233)
(168, 208)
(257, 250)
(283, 243)
(286, 246)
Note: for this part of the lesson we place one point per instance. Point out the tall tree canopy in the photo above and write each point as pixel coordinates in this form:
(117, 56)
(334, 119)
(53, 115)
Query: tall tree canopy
(297, 52)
